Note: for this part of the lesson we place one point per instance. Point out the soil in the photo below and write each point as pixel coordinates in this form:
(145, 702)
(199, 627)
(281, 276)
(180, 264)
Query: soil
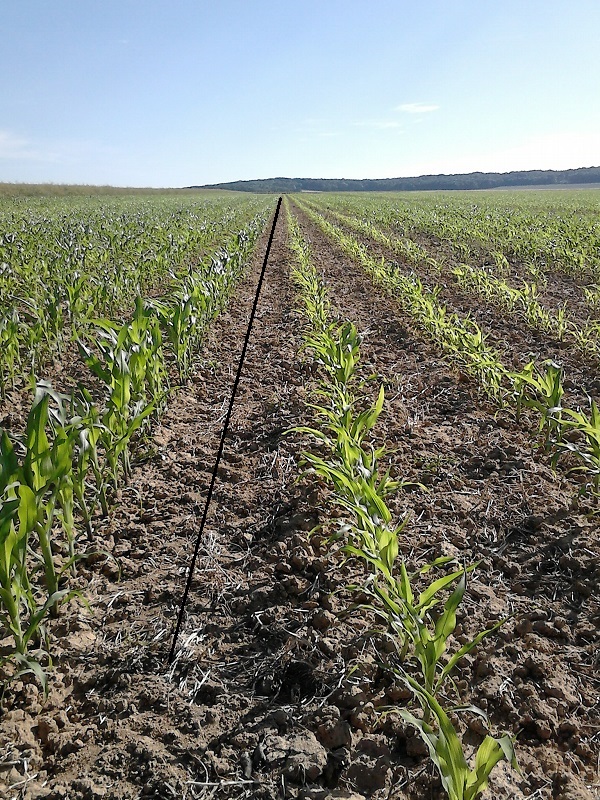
(275, 692)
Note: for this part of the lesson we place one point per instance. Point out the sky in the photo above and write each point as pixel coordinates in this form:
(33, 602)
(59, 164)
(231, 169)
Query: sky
(186, 92)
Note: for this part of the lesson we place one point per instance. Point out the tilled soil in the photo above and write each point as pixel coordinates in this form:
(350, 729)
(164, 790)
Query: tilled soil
(261, 701)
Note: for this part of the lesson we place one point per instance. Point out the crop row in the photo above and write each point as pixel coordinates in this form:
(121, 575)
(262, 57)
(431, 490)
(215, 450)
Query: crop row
(75, 451)
(535, 232)
(521, 301)
(571, 431)
(65, 263)
(416, 617)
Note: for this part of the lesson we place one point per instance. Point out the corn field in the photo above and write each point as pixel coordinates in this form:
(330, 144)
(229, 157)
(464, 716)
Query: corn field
(395, 594)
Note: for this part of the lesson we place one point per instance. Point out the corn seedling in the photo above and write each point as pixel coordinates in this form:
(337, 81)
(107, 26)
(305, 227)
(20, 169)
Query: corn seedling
(312, 289)
(132, 369)
(446, 751)
(462, 338)
(63, 263)
(587, 446)
(182, 323)
(489, 282)
(422, 624)
(592, 296)
(60, 272)
(337, 350)
(36, 492)
(11, 340)
(587, 337)
(532, 231)
(90, 429)
(543, 392)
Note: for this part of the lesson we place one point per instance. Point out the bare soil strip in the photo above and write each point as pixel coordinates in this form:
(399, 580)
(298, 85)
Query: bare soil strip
(258, 703)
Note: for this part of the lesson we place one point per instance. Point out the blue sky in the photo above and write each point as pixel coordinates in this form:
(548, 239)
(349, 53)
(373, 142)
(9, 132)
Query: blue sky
(180, 92)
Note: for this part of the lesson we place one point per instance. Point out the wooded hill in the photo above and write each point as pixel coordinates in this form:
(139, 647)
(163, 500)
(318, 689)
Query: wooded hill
(471, 180)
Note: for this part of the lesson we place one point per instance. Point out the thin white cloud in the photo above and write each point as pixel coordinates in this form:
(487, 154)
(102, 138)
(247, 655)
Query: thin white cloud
(314, 127)
(56, 161)
(311, 122)
(417, 108)
(564, 150)
(379, 124)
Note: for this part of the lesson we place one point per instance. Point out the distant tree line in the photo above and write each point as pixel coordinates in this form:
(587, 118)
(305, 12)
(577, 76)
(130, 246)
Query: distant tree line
(472, 180)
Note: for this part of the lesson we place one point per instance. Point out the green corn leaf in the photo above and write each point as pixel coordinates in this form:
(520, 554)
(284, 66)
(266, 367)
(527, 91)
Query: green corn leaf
(30, 665)
(446, 622)
(9, 463)
(28, 509)
(466, 648)
(489, 753)
(429, 597)
(404, 585)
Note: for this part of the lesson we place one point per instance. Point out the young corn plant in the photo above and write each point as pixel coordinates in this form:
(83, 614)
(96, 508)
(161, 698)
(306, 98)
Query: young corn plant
(79, 302)
(183, 324)
(461, 338)
(501, 263)
(18, 518)
(91, 430)
(360, 488)
(36, 494)
(200, 295)
(586, 447)
(11, 342)
(75, 420)
(587, 337)
(132, 369)
(317, 305)
(460, 781)
(312, 289)
(337, 349)
(422, 625)
(592, 296)
(543, 392)
(47, 470)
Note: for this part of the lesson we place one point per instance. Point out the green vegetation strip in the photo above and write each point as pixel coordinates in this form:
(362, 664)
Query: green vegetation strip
(533, 231)
(66, 262)
(522, 302)
(419, 623)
